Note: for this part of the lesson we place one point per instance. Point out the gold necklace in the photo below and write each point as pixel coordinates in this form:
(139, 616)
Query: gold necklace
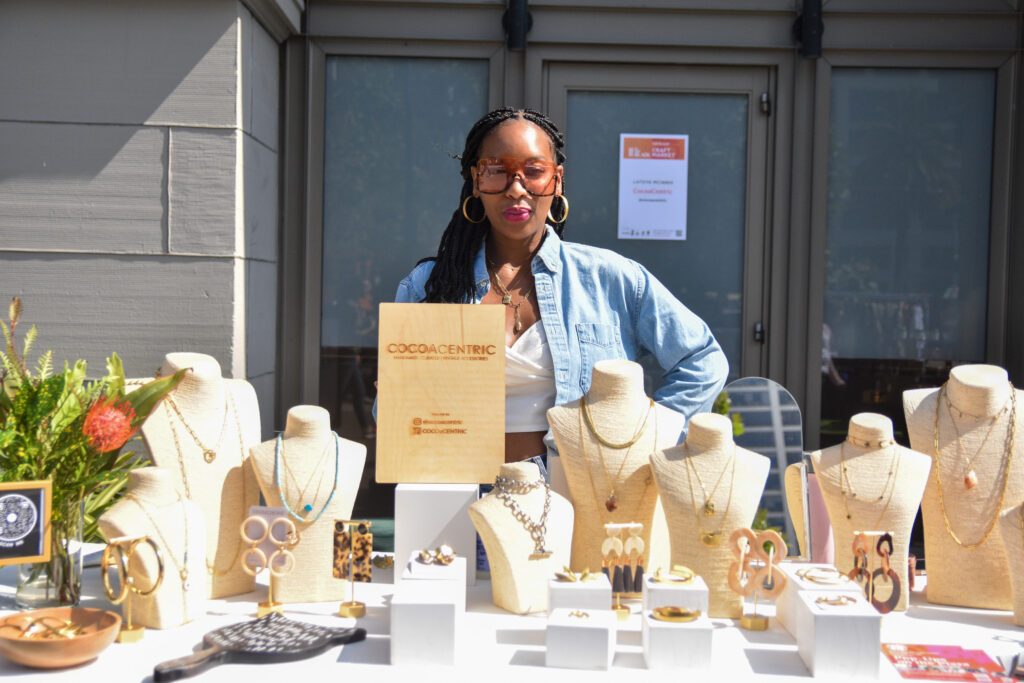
(710, 539)
(970, 477)
(308, 507)
(182, 567)
(209, 454)
(846, 487)
(590, 473)
(1004, 467)
(709, 506)
(611, 502)
(506, 298)
(211, 567)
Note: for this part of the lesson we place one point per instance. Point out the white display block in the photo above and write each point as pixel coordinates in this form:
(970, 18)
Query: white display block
(428, 515)
(669, 645)
(838, 641)
(693, 595)
(581, 642)
(454, 573)
(595, 593)
(425, 621)
(786, 605)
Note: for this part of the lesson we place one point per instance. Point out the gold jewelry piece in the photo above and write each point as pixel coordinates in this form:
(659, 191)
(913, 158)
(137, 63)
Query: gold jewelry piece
(254, 541)
(679, 575)
(970, 476)
(846, 487)
(182, 566)
(565, 213)
(466, 214)
(209, 454)
(866, 443)
(579, 614)
(710, 539)
(504, 490)
(443, 555)
(836, 600)
(826, 576)
(1004, 467)
(383, 561)
(45, 628)
(567, 575)
(675, 614)
(289, 540)
(611, 501)
(506, 298)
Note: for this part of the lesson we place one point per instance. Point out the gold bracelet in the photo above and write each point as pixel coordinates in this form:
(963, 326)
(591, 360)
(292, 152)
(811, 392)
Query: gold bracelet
(679, 575)
(675, 614)
(836, 600)
(579, 614)
(827, 576)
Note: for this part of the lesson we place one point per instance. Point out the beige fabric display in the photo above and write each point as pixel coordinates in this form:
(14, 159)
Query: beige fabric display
(742, 475)
(519, 584)
(1011, 528)
(224, 415)
(307, 434)
(888, 481)
(617, 405)
(154, 507)
(958, 575)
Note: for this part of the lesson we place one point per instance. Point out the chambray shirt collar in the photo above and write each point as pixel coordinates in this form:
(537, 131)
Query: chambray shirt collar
(550, 254)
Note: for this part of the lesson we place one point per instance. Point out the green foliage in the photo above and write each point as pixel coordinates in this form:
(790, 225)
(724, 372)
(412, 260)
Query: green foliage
(722, 406)
(761, 524)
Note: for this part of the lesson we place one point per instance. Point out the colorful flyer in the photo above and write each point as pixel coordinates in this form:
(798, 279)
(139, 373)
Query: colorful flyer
(653, 172)
(943, 663)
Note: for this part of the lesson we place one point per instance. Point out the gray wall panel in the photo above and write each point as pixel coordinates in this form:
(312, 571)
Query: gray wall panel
(202, 191)
(260, 317)
(260, 169)
(260, 77)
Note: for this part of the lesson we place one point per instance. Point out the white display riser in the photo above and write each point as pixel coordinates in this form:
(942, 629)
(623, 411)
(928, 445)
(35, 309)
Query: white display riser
(787, 603)
(669, 645)
(693, 595)
(428, 515)
(454, 574)
(425, 622)
(595, 593)
(575, 642)
(839, 641)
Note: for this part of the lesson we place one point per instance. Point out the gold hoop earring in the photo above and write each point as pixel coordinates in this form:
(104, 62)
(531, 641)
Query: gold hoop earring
(466, 214)
(565, 213)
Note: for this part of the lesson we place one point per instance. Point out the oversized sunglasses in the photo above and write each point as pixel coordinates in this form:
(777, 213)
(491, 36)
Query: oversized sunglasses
(494, 176)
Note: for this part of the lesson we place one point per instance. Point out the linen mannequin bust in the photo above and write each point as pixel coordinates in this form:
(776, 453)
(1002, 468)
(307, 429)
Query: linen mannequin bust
(957, 575)
(1012, 530)
(742, 475)
(617, 404)
(308, 450)
(519, 584)
(154, 507)
(224, 415)
(888, 481)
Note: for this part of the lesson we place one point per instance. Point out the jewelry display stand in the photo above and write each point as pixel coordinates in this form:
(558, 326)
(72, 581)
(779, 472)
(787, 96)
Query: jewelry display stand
(700, 522)
(871, 483)
(353, 548)
(677, 645)
(153, 507)
(665, 590)
(526, 530)
(823, 579)
(612, 483)
(970, 420)
(202, 433)
(755, 572)
(590, 592)
(122, 555)
(269, 536)
(578, 639)
(430, 515)
(318, 473)
(425, 622)
(838, 636)
(1011, 526)
(452, 574)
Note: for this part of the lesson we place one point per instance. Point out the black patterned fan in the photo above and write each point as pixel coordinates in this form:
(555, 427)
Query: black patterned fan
(270, 639)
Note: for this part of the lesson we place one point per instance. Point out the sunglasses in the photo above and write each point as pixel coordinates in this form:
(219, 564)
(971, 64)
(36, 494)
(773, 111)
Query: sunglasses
(494, 176)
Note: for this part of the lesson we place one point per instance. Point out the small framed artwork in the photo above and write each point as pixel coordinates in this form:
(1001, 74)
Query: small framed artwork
(25, 521)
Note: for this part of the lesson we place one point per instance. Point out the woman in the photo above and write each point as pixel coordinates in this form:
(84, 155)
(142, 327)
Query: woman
(567, 305)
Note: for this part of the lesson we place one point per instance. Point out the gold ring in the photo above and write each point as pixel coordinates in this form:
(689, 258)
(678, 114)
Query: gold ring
(835, 600)
(579, 614)
(675, 614)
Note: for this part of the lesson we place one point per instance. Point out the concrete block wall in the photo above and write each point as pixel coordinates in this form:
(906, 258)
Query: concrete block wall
(138, 181)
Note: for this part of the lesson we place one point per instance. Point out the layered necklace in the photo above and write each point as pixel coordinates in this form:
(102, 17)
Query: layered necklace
(307, 507)
(209, 454)
(182, 566)
(710, 539)
(504, 490)
(230, 400)
(1004, 466)
(506, 296)
(611, 502)
(846, 487)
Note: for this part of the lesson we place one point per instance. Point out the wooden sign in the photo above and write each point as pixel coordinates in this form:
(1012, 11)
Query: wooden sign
(25, 521)
(440, 393)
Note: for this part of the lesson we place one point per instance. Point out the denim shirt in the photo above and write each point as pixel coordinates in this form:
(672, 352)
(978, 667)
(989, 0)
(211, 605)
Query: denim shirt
(597, 305)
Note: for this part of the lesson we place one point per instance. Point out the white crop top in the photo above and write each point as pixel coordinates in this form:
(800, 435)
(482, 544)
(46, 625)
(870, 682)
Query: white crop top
(529, 382)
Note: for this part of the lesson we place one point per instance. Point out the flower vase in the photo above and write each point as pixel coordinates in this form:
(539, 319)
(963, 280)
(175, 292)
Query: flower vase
(57, 582)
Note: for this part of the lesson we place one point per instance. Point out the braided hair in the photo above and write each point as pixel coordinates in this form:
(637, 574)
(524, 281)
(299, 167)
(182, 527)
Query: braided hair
(451, 280)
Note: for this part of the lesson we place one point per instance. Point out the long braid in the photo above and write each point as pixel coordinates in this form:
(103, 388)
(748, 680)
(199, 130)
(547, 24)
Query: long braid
(451, 280)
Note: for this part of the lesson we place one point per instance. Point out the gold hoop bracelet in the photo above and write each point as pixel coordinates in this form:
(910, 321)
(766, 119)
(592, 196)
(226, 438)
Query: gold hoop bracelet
(675, 614)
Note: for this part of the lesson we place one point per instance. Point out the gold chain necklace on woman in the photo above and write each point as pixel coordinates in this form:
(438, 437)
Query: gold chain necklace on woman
(211, 567)
(846, 487)
(182, 567)
(506, 298)
(1004, 467)
(611, 501)
(710, 539)
(209, 454)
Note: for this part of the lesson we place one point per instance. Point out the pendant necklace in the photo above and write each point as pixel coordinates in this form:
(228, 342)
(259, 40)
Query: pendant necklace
(846, 487)
(970, 477)
(308, 507)
(182, 567)
(611, 502)
(1004, 467)
(709, 505)
(209, 454)
(505, 488)
(710, 539)
(506, 298)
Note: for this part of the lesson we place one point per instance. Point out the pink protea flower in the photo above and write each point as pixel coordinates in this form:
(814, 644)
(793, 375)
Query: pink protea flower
(108, 425)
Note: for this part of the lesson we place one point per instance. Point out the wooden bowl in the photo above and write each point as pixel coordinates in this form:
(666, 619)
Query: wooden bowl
(98, 628)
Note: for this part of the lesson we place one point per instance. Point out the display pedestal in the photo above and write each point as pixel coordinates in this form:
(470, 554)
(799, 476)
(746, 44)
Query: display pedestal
(838, 641)
(429, 515)
(581, 642)
(453, 575)
(669, 645)
(693, 595)
(592, 594)
(425, 619)
(787, 604)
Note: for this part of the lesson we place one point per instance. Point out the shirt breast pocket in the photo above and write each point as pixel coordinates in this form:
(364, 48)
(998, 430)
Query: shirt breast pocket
(598, 341)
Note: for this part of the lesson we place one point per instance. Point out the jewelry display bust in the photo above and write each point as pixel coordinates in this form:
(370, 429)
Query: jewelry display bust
(522, 555)
(318, 473)
(1011, 528)
(610, 484)
(709, 487)
(870, 483)
(971, 427)
(153, 506)
(202, 433)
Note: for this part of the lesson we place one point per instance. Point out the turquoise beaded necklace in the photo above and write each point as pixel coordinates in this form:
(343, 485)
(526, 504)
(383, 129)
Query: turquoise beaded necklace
(308, 507)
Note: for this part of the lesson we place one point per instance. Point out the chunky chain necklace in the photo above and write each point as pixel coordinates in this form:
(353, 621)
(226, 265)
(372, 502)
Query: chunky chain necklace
(710, 539)
(209, 454)
(308, 507)
(846, 487)
(1004, 467)
(506, 298)
(505, 488)
(611, 502)
(182, 567)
